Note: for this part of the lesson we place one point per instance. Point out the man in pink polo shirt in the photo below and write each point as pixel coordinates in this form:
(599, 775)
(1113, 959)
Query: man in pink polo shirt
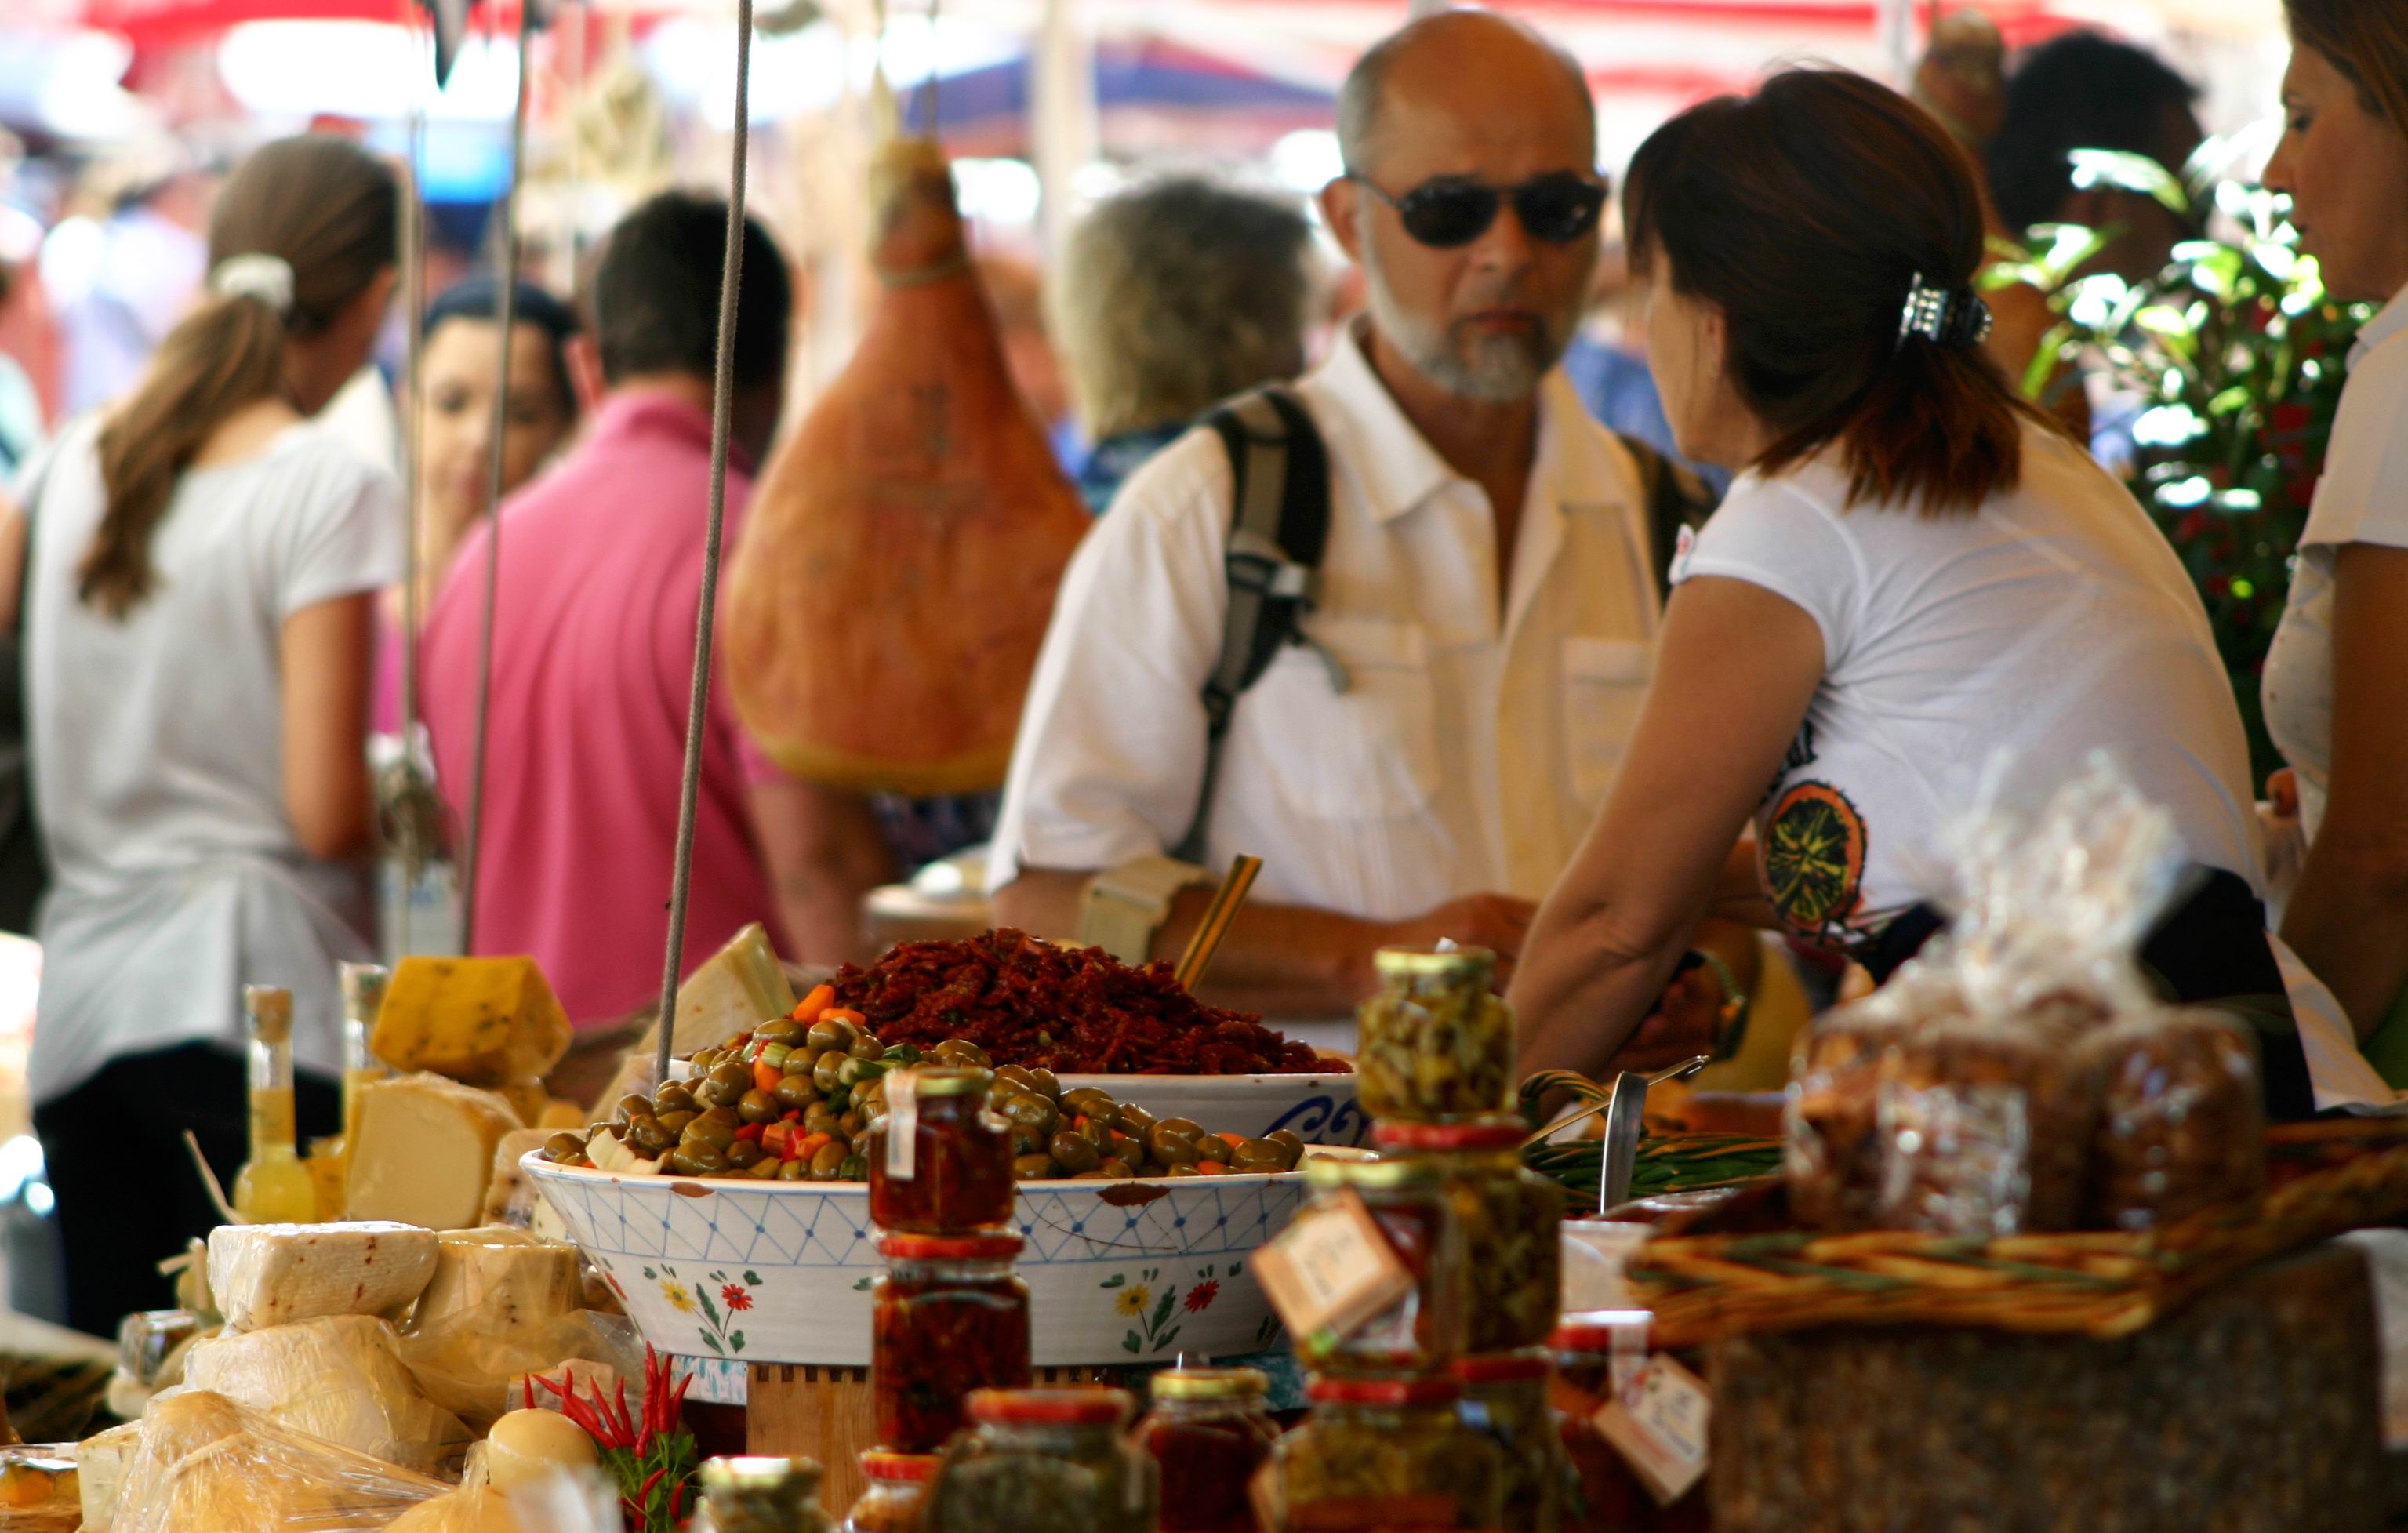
(601, 568)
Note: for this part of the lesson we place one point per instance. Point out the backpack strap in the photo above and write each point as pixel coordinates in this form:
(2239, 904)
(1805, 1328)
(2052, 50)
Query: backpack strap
(1278, 529)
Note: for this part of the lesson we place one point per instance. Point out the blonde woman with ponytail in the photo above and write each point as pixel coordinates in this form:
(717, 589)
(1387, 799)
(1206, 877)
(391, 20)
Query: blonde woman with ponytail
(204, 567)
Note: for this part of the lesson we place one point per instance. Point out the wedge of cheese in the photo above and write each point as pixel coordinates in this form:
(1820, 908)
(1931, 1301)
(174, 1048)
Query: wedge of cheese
(422, 1152)
(502, 1282)
(487, 1022)
(741, 987)
(510, 1196)
(263, 1275)
(100, 1472)
(340, 1379)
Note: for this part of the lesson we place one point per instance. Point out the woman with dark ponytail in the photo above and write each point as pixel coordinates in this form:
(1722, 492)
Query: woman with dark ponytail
(203, 573)
(1918, 588)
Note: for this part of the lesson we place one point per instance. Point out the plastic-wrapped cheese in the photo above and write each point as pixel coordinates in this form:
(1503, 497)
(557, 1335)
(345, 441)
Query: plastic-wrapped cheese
(510, 1196)
(487, 1022)
(263, 1275)
(205, 1464)
(101, 1464)
(423, 1151)
(341, 1378)
(505, 1282)
(465, 1510)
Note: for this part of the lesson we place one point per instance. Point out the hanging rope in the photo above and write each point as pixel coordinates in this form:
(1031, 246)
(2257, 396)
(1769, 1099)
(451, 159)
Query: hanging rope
(507, 307)
(731, 273)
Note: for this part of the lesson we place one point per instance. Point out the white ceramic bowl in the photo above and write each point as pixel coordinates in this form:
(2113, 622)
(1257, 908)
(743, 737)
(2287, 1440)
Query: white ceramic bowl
(780, 1271)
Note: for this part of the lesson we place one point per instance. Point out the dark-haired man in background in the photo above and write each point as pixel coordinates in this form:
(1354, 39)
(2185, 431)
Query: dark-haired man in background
(594, 629)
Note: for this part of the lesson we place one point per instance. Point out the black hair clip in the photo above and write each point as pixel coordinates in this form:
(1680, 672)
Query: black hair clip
(1956, 318)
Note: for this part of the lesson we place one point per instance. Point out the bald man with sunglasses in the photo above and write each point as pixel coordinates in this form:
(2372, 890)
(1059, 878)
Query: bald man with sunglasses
(1423, 762)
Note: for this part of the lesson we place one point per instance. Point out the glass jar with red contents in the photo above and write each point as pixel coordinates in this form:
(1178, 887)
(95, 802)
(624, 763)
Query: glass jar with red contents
(897, 1493)
(1208, 1432)
(1429, 1326)
(1596, 1353)
(939, 1162)
(1513, 1222)
(946, 1317)
(1046, 1460)
(1384, 1451)
(1505, 1395)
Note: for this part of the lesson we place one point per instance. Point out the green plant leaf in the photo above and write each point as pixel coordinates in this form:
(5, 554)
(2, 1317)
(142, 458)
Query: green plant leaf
(2127, 172)
(752, 1280)
(1133, 1343)
(1162, 1309)
(1115, 1280)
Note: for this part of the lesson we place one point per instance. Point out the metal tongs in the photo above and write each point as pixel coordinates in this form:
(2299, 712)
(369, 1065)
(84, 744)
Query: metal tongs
(1624, 1107)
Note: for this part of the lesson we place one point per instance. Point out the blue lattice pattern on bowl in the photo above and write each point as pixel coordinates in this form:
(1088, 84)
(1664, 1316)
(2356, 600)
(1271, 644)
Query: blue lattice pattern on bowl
(779, 1272)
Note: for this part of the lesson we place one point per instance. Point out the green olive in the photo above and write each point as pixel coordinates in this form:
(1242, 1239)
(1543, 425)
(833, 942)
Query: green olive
(731, 1072)
(1027, 1140)
(564, 1147)
(1289, 1140)
(1260, 1156)
(1117, 1169)
(1182, 1170)
(758, 1107)
(766, 1168)
(827, 1159)
(796, 1091)
(1134, 1121)
(632, 1106)
(1098, 1175)
(1089, 1100)
(650, 1135)
(819, 1118)
(1018, 1075)
(676, 1163)
(1032, 1167)
(705, 1159)
(793, 1171)
(673, 1098)
(865, 1046)
(961, 1051)
(701, 1060)
(825, 1035)
(851, 1125)
(799, 1060)
(1074, 1154)
(824, 1069)
(1030, 1110)
(781, 1030)
(744, 1154)
(716, 1128)
(1172, 1146)
(1097, 1131)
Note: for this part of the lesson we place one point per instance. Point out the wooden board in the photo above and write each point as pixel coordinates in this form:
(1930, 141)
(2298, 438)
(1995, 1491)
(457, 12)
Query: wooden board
(825, 1413)
(2257, 1409)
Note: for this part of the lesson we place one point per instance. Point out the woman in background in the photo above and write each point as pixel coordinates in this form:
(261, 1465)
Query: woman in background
(200, 611)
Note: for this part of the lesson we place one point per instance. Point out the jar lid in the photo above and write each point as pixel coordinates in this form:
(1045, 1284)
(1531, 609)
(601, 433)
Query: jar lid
(899, 1247)
(1488, 1133)
(910, 1469)
(1210, 1384)
(1597, 1330)
(1418, 963)
(758, 1473)
(1501, 1367)
(1344, 1389)
(948, 1080)
(1077, 1405)
(1373, 1175)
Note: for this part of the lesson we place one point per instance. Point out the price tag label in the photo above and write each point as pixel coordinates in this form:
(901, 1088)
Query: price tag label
(1658, 1424)
(1332, 1269)
(902, 1126)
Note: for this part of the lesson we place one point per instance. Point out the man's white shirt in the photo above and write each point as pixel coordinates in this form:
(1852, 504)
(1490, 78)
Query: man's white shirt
(1471, 746)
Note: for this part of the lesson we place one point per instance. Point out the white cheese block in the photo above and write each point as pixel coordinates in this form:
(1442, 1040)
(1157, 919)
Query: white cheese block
(511, 1195)
(339, 1378)
(740, 988)
(503, 1283)
(422, 1152)
(100, 1472)
(263, 1275)
(206, 1466)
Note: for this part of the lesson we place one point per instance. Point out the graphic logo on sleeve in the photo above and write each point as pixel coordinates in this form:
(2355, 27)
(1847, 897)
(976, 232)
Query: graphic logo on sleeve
(1813, 859)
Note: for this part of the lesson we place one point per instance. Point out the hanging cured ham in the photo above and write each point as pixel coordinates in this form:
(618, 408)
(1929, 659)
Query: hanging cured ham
(897, 566)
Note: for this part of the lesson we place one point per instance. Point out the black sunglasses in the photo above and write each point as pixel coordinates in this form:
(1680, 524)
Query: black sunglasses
(1558, 207)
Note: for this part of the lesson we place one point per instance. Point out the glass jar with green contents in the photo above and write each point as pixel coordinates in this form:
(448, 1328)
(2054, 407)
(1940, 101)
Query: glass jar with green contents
(897, 1493)
(763, 1495)
(1435, 1042)
(1512, 1224)
(1505, 1395)
(1430, 1324)
(1048, 1459)
(1387, 1452)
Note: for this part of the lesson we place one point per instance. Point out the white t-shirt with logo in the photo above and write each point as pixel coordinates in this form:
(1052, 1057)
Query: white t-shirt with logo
(2052, 623)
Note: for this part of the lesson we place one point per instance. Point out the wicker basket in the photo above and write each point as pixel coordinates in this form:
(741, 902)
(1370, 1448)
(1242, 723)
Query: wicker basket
(2330, 1177)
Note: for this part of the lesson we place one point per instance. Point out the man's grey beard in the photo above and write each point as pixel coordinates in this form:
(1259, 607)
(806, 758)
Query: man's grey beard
(1485, 369)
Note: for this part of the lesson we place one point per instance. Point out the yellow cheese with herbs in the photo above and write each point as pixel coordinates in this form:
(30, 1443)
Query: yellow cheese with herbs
(741, 987)
(486, 1022)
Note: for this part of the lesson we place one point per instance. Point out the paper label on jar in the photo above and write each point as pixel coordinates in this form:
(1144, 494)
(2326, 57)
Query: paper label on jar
(902, 1126)
(1332, 1271)
(1658, 1422)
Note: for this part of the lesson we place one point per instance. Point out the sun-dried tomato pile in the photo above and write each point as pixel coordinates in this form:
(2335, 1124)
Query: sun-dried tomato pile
(1027, 1002)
